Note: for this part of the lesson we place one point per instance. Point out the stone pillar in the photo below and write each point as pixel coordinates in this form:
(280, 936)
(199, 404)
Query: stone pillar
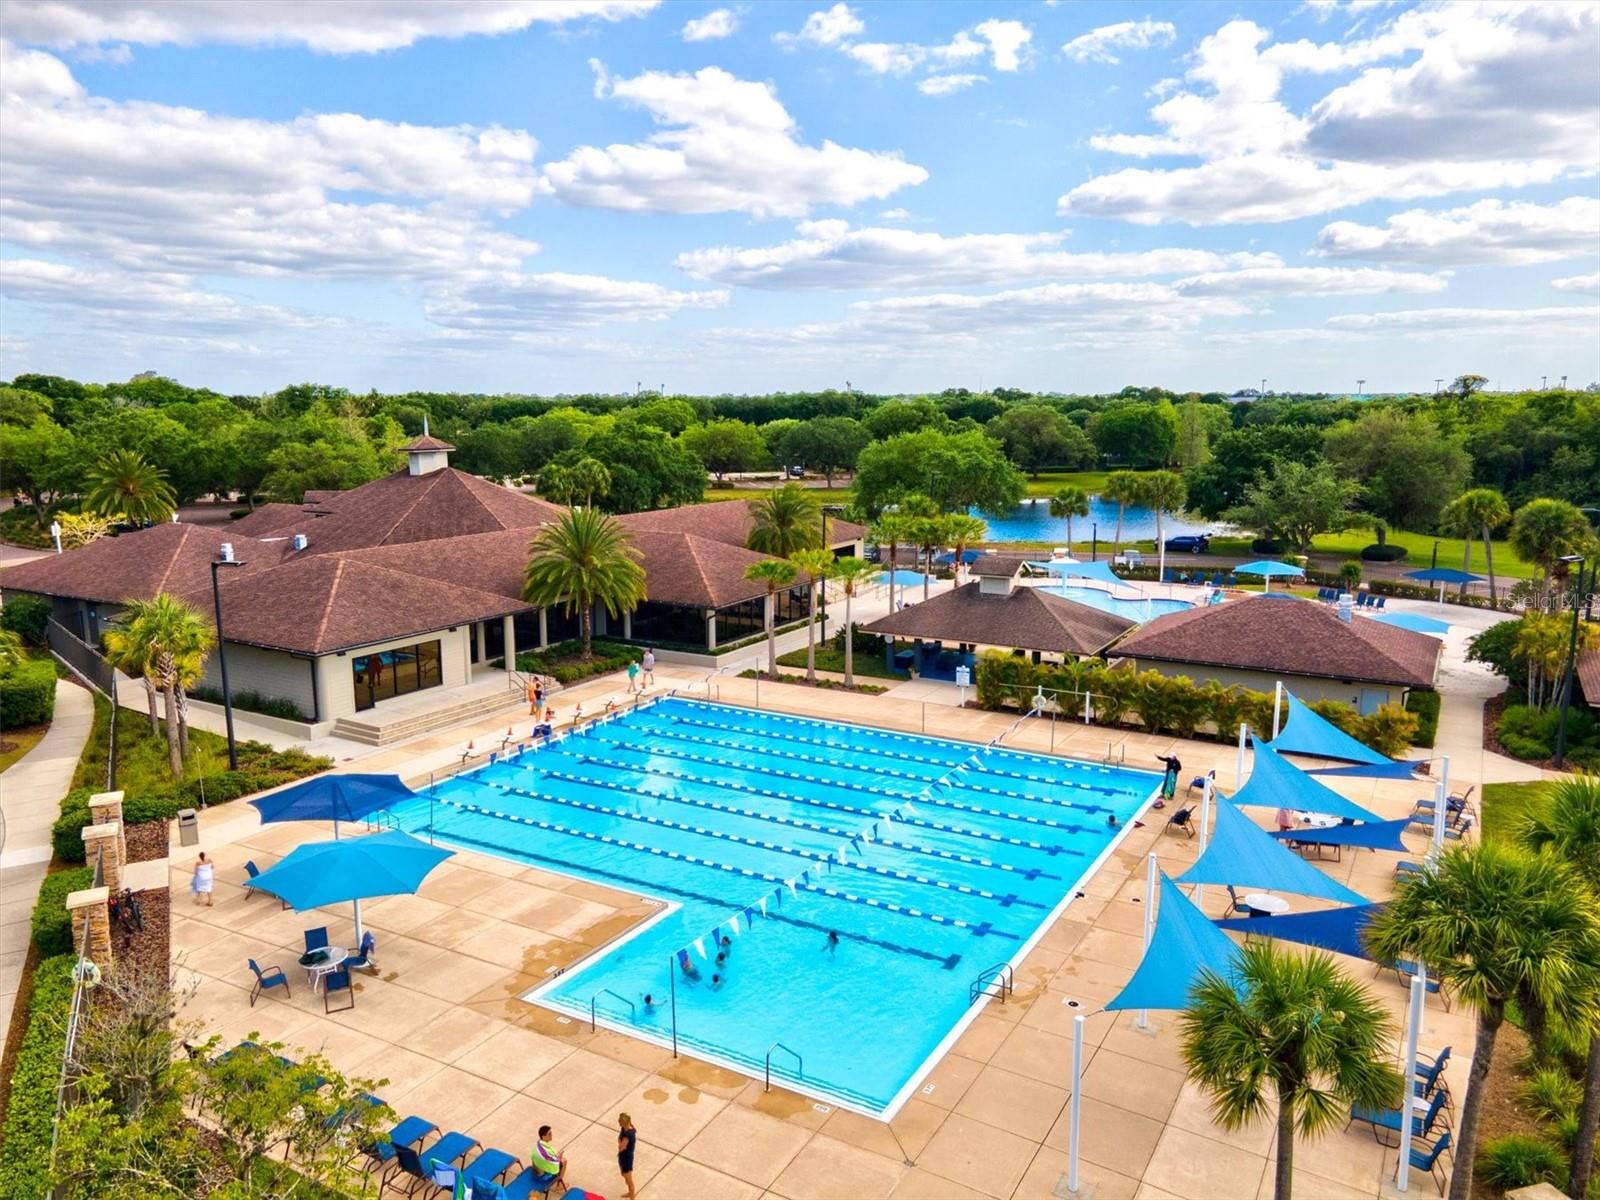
(627, 626)
(544, 630)
(102, 844)
(105, 808)
(508, 623)
(483, 641)
(711, 629)
(89, 911)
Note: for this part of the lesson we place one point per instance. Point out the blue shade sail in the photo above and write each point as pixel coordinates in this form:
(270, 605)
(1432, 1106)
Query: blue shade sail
(1377, 835)
(391, 863)
(1243, 854)
(1068, 569)
(1336, 929)
(1183, 944)
(1304, 732)
(1275, 782)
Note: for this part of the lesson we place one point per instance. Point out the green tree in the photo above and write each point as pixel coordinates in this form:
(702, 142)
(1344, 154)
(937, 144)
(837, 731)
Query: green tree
(1241, 456)
(669, 415)
(963, 532)
(1565, 823)
(122, 482)
(1290, 1033)
(1296, 502)
(784, 520)
(1163, 491)
(890, 530)
(555, 483)
(1408, 468)
(725, 445)
(817, 566)
(1475, 513)
(1543, 532)
(896, 417)
(335, 463)
(1495, 925)
(1122, 487)
(826, 444)
(960, 471)
(1466, 385)
(647, 469)
(775, 573)
(1036, 436)
(852, 574)
(43, 461)
(1066, 504)
(1140, 435)
(927, 528)
(169, 640)
(588, 478)
(19, 406)
(1197, 423)
(582, 559)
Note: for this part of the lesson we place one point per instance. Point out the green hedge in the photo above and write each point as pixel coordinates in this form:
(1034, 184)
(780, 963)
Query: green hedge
(27, 616)
(249, 701)
(28, 693)
(52, 926)
(564, 662)
(1425, 707)
(25, 1166)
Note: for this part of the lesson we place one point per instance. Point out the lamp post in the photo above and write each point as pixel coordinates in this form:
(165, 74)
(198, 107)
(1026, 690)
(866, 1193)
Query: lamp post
(1361, 385)
(1094, 544)
(224, 558)
(1572, 658)
(826, 509)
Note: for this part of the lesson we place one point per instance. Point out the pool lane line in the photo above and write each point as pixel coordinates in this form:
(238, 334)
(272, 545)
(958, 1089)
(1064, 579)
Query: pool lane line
(830, 856)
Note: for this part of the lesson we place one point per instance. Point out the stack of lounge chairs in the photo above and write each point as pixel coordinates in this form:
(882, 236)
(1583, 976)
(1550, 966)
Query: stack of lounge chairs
(1330, 595)
(1429, 1110)
(415, 1154)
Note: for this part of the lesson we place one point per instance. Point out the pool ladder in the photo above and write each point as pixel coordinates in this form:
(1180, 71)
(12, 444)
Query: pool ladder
(999, 977)
(594, 999)
(799, 1063)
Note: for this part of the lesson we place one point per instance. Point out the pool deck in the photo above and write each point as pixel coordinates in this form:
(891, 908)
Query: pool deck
(442, 1021)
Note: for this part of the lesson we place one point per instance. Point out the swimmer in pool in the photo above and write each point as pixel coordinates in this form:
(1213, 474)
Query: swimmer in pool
(716, 983)
(833, 943)
(1111, 821)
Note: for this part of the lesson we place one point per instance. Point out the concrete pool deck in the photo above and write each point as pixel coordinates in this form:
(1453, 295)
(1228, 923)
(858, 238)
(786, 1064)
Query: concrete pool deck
(443, 1022)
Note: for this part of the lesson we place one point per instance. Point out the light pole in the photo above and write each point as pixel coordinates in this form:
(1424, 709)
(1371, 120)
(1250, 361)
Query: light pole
(1572, 657)
(224, 559)
(1094, 545)
(1438, 386)
(1263, 389)
(1361, 385)
(1544, 382)
(825, 510)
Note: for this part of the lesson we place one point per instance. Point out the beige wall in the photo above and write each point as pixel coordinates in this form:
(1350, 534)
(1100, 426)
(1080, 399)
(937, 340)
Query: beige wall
(268, 672)
(334, 680)
(1306, 687)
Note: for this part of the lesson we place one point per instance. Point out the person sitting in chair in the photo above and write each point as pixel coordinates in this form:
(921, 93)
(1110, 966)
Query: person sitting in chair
(545, 1159)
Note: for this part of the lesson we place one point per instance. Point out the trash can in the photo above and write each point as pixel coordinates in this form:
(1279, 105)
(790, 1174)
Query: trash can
(188, 827)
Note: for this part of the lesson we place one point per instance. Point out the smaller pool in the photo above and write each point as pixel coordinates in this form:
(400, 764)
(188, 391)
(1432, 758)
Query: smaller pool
(1133, 610)
(902, 578)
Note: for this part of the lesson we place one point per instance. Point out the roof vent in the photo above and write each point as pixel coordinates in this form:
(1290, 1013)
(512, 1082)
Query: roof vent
(1347, 606)
(225, 552)
(299, 541)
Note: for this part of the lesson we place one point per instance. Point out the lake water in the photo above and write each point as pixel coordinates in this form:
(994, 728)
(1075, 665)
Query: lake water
(1031, 521)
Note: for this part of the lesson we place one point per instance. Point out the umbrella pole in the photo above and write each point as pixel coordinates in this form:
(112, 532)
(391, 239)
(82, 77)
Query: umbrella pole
(1205, 835)
(358, 925)
(1077, 1104)
(1238, 768)
(1402, 1179)
(1277, 708)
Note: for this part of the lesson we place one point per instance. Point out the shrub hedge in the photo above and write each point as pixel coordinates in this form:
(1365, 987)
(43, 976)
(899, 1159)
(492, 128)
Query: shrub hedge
(52, 927)
(1530, 734)
(1518, 1160)
(27, 693)
(1383, 552)
(31, 1110)
(1425, 707)
(563, 661)
(248, 701)
(26, 615)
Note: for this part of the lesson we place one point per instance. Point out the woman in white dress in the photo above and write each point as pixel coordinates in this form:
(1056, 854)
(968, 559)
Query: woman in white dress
(204, 877)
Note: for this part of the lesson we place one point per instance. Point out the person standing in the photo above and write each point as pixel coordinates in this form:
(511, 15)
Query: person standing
(649, 667)
(1169, 782)
(633, 675)
(533, 699)
(204, 879)
(627, 1136)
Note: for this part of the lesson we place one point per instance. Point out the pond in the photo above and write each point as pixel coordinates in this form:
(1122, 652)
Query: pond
(1031, 521)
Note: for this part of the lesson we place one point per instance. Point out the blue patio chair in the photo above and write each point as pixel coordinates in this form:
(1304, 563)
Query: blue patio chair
(1426, 1158)
(1389, 1121)
(1166, 576)
(317, 939)
(382, 1153)
(362, 958)
(272, 977)
(451, 1149)
(1408, 868)
(337, 981)
(1405, 970)
(250, 872)
(1380, 602)
(1235, 905)
(1216, 579)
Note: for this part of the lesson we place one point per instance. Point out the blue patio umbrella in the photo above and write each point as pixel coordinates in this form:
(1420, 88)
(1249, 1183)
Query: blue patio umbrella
(332, 798)
(1442, 576)
(1268, 570)
(391, 863)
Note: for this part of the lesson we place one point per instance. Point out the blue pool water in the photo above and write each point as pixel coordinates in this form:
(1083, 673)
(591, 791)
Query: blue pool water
(1133, 610)
(902, 578)
(712, 808)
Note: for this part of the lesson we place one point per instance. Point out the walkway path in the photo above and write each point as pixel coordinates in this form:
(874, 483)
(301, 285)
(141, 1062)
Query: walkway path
(30, 800)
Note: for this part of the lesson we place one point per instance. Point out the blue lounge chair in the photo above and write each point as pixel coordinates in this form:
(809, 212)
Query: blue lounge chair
(1408, 868)
(409, 1132)
(491, 1167)
(362, 958)
(1379, 603)
(271, 977)
(251, 871)
(1426, 1158)
(451, 1148)
(1405, 970)
(1390, 1121)
(337, 981)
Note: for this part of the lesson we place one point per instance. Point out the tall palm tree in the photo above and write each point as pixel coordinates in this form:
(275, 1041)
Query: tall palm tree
(1067, 503)
(589, 478)
(1495, 924)
(1567, 825)
(169, 639)
(775, 573)
(582, 559)
(787, 519)
(1123, 487)
(122, 482)
(890, 527)
(1543, 531)
(961, 531)
(1476, 513)
(1164, 491)
(1290, 1031)
(556, 484)
(817, 565)
(128, 656)
(927, 526)
(851, 574)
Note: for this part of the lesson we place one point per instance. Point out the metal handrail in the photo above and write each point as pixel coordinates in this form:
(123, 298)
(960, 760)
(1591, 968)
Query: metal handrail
(1001, 973)
(594, 999)
(800, 1063)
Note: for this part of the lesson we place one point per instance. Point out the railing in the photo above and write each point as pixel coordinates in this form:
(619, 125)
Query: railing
(595, 999)
(80, 985)
(1000, 976)
(1120, 757)
(89, 665)
(799, 1063)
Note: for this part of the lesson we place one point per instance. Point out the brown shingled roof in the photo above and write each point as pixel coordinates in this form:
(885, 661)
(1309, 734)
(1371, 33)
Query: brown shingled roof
(489, 562)
(415, 508)
(1288, 637)
(426, 443)
(164, 558)
(725, 521)
(271, 519)
(1588, 672)
(997, 566)
(680, 568)
(1028, 619)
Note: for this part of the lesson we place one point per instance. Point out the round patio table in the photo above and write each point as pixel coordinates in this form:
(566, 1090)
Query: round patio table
(1265, 904)
(322, 962)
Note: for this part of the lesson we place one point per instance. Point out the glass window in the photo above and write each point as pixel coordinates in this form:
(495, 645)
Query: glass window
(397, 672)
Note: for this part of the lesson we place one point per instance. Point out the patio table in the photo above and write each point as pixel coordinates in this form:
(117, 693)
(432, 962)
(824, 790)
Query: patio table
(323, 962)
(1265, 904)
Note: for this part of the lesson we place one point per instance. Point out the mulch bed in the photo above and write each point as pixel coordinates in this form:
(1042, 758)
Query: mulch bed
(1493, 709)
(147, 841)
(148, 950)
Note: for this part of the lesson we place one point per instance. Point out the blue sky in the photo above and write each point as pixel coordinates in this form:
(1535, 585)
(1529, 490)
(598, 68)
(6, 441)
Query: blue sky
(591, 194)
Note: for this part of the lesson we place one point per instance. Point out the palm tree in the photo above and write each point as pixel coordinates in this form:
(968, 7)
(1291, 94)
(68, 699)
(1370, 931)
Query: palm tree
(11, 652)
(123, 482)
(1069, 502)
(961, 531)
(556, 484)
(168, 640)
(128, 656)
(1544, 531)
(787, 519)
(817, 565)
(588, 477)
(1123, 487)
(850, 572)
(927, 526)
(775, 573)
(582, 559)
(1163, 491)
(1476, 513)
(1290, 1031)
(890, 527)
(1496, 925)
(1567, 825)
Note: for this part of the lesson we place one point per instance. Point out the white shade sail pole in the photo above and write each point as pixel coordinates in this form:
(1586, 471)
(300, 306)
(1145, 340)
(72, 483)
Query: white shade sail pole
(1402, 1174)
(1441, 798)
(358, 924)
(1076, 1119)
(1238, 766)
(1149, 922)
(1205, 835)
(1277, 708)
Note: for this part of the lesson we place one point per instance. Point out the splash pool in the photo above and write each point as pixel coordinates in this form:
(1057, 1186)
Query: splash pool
(1132, 609)
(932, 860)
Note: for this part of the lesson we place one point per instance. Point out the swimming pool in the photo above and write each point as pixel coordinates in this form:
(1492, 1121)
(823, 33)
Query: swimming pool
(902, 578)
(1133, 610)
(774, 831)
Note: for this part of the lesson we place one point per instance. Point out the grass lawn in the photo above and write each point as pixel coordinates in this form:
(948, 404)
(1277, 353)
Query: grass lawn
(1049, 482)
(14, 743)
(1503, 806)
(830, 658)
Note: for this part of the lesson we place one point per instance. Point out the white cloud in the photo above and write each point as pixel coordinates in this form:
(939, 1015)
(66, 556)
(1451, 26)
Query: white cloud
(533, 303)
(728, 145)
(1005, 42)
(827, 28)
(1497, 93)
(1568, 318)
(1487, 232)
(946, 85)
(831, 255)
(1589, 284)
(1098, 45)
(1309, 281)
(349, 27)
(718, 23)
(895, 214)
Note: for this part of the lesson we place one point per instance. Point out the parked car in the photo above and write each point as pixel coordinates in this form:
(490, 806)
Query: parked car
(1128, 558)
(1190, 543)
(793, 472)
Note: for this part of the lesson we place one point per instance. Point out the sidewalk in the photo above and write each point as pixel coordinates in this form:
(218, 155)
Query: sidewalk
(30, 800)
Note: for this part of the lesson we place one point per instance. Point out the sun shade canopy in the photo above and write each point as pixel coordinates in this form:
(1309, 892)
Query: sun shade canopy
(1183, 944)
(1443, 575)
(1277, 783)
(1336, 929)
(1068, 569)
(332, 798)
(1243, 854)
(1304, 732)
(391, 863)
(1375, 835)
(1268, 568)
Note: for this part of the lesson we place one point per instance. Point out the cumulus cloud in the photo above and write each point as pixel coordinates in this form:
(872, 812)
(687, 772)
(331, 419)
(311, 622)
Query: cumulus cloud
(1489, 232)
(828, 27)
(1578, 283)
(1563, 319)
(946, 85)
(1309, 281)
(726, 145)
(350, 27)
(839, 27)
(535, 303)
(1100, 45)
(718, 23)
(832, 255)
(1487, 92)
